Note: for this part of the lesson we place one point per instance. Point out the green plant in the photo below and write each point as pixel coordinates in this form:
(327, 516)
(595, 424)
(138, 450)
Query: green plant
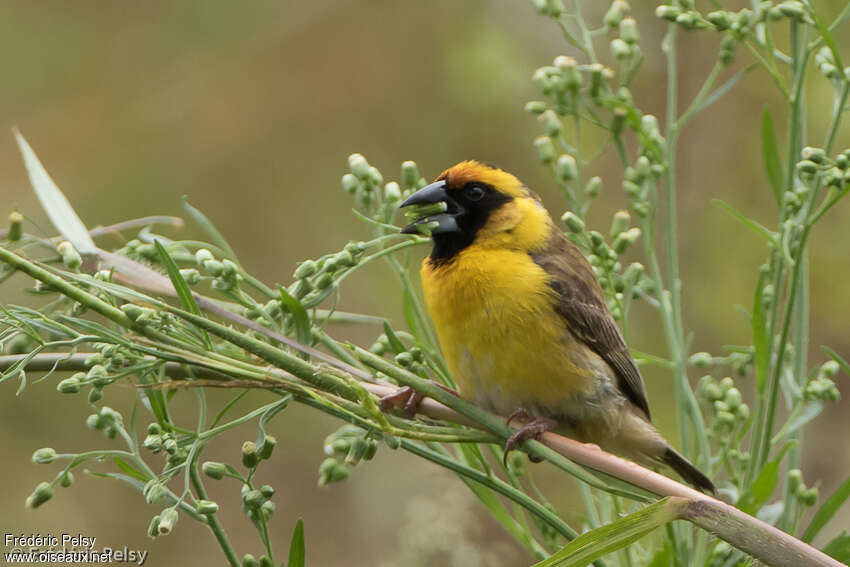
(209, 323)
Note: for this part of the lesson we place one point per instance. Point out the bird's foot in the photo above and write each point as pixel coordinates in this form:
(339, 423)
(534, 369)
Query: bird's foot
(533, 428)
(407, 399)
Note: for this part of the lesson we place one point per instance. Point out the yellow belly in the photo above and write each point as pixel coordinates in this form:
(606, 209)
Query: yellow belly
(504, 343)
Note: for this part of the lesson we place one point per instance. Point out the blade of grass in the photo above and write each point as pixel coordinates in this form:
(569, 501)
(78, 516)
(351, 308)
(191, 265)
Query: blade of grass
(826, 511)
(208, 227)
(180, 285)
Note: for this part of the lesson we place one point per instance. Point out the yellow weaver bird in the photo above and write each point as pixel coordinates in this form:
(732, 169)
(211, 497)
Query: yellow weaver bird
(522, 321)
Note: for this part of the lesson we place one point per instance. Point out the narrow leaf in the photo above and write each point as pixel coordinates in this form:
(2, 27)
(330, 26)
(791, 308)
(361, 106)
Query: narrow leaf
(303, 331)
(180, 285)
(749, 223)
(770, 152)
(208, 227)
(839, 548)
(827, 510)
(394, 341)
(297, 551)
(724, 88)
(592, 545)
(55, 203)
(763, 486)
(760, 343)
(135, 473)
(845, 366)
(827, 37)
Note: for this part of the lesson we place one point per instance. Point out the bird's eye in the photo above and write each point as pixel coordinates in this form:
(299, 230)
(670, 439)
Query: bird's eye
(474, 192)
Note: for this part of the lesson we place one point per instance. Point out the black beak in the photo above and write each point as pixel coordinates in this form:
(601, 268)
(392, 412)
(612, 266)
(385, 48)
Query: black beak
(430, 194)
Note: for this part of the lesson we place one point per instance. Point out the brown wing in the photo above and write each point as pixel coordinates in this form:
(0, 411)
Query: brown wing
(581, 304)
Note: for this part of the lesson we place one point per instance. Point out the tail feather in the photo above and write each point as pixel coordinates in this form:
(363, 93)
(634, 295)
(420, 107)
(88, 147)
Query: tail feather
(687, 471)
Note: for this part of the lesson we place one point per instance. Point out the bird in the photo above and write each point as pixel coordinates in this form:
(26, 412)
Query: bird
(522, 322)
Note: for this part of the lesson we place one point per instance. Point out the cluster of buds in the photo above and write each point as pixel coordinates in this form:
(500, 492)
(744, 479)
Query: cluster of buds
(252, 453)
(332, 470)
(97, 376)
(113, 357)
(366, 184)
(107, 420)
(826, 64)
(807, 496)
(411, 358)
(315, 279)
(224, 273)
(727, 405)
(625, 48)
(740, 359)
(551, 8)
(158, 441)
(814, 161)
(256, 502)
(822, 387)
(638, 177)
(352, 444)
(562, 81)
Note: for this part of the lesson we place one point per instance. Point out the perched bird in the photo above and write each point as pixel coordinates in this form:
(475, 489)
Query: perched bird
(522, 321)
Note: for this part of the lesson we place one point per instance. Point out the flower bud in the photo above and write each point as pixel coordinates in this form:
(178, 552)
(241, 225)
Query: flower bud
(375, 177)
(392, 192)
(249, 454)
(213, 268)
(619, 223)
(620, 49)
(669, 13)
(44, 455)
(626, 239)
(250, 561)
(359, 166)
(829, 369)
(733, 398)
(66, 479)
(42, 493)
(535, 107)
(69, 385)
(16, 229)
(545, 149)
(331, 471)
(409, 174)
(719, 19)
(566, 168)
(70, 257)
(726, 383)
(267, 448)
(153, 443)
(153, 527)
(350, 183)
(551, 124)
(167, 519)
(593, 186)
(807, 166)
(573, 222)
(203, 255)
(615, 13)
(629, 31)
(214, 470)
(253, 499)
(267, 509)
(792, 9)
(816, 155)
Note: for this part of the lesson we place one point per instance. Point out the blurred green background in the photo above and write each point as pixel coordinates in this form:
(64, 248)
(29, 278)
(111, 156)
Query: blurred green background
(251, 110)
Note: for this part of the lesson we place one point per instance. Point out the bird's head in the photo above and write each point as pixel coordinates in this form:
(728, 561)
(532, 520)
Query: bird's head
(483, 206)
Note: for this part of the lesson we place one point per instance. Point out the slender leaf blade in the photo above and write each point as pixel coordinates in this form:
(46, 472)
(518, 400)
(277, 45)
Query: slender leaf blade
(303, 329)
(760, 342)
(594, 544)
(55, 203)
(827, 510)
(297, 550)
(743, 219)
(837, 358)
(395, 344)
(180, 286)
(839, 548)
(208, 227)
(770, 152)
(131, 471)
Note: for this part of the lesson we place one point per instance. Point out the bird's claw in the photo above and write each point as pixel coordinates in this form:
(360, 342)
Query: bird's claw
(533, 428)
(405, 398)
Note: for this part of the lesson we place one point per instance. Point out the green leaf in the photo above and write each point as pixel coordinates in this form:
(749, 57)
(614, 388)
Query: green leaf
(268, 415)
(724, 88)
(592, 545)
(839, 548)
(827, 510)
(135, 473)
(208, 227)
(55, 203)
(303, 328)
(180, 286)
(827, 37)
(749, 223)
(770, 151)
(760, 343)
(763, 486)
(297, 551)
(395, 343)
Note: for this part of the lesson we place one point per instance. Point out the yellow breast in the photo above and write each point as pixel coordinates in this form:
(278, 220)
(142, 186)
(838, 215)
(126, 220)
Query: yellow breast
(503, 340)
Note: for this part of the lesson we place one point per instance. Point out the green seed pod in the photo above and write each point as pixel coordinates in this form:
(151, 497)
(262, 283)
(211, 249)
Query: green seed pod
(593, 186)
(535, 107)
(154, 492)
(42, 493)
(250, 561)
(409, 174)
(95, 394)
(267, 448)
(629, 31)
(70, 257)
(66, 479)
(249, 454)
(331, 471)
(615, 13)
(619, 223)
(620, 49)
(350, 183)
(153, 527)
(207, 507)
(69, 385)
(16, 226)
(551, 124)
(214, 470)
(669, 13)
(359, 166)
(566, 168)
(626, 239)
(545, 149)
(573, 222)
(253, 499)
(44, 455)
(167, 520)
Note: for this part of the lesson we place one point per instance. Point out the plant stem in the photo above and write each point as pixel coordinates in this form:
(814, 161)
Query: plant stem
(212, 521)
